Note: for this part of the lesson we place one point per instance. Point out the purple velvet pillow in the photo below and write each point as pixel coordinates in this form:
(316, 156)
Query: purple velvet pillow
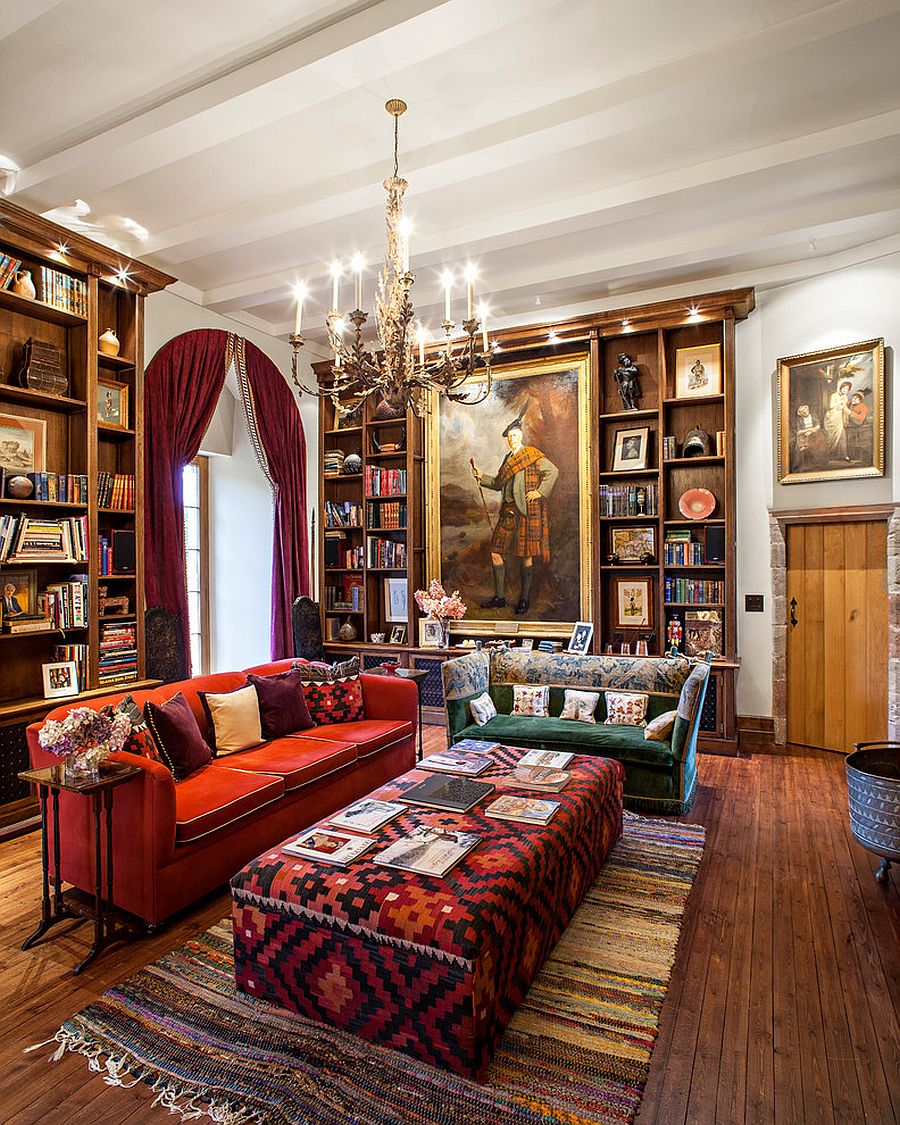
(177, 735)
(282, 705)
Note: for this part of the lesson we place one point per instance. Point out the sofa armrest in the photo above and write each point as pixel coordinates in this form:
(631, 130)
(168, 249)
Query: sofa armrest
(690, 705)
(390, 697)
(464, 678)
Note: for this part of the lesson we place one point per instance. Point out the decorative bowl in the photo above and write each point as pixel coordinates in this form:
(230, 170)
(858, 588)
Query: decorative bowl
(697, 504)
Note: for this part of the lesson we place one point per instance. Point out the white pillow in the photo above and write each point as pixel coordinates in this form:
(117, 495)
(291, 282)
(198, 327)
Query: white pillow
(234, 718)
(626, 708)
(659, 729)
(532, 701)
(482, 708)
(580, 705)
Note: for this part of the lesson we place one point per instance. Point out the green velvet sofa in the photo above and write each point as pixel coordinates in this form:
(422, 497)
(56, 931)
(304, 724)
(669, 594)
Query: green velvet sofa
(660, 777)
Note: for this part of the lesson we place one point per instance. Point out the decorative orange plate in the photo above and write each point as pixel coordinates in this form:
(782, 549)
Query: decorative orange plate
(697, 503)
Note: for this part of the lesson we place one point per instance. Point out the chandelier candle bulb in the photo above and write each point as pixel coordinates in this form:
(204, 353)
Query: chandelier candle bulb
(357, 284)
(448, 285)
(335, 285)
(298, 314)
(470, 291)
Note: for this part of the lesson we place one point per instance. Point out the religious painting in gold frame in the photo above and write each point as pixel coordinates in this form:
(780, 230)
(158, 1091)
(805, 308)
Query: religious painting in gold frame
(831, 414)
(531, 502)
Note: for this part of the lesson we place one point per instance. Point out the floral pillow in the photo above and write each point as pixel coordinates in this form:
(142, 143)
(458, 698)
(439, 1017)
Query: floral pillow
(659, 729)
(482, 708)
(626, 708)
(579, 706)
(531, 701)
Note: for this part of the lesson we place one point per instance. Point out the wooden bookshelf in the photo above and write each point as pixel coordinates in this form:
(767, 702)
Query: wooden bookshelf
(77, 442)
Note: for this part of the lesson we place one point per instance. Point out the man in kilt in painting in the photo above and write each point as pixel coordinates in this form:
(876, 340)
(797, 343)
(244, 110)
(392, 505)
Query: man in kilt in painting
(525, 480)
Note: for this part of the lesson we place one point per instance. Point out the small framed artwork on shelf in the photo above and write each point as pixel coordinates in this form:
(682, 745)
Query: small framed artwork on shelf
(60, 679)
(23, 444)
(698, 371)
(19, 595)
(703, 632)
(633, 603)
(631, 449)
(632, 544)
(398, 635)
(396, 599)
(580, 641)
(429, 633)
(112, 404)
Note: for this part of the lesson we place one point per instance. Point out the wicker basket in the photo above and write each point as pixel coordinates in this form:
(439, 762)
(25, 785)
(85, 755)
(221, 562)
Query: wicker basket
(873, 783)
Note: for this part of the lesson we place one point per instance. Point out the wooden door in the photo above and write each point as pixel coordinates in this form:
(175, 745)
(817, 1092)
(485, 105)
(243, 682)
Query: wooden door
(837, 647)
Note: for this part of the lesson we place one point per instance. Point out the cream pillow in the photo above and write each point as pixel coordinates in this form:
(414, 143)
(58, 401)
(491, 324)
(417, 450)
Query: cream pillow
(532, 701)
(626, 708)
(482, 708)
(659, 729)
(234, 719)
(580, 705)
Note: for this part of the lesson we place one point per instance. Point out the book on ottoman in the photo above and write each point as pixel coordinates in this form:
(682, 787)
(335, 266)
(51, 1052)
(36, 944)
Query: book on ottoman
(428, 851)
(455, 794)
(538, 777)
(552, 759)
(367, 815)
(454, 761)
(338, 848)
(525, 810)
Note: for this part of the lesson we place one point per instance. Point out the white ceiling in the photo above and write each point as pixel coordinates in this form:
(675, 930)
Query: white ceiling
(586, 154)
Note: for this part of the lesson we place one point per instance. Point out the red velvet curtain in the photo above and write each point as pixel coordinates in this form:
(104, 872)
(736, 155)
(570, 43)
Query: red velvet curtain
(277, 432)
(183, 384)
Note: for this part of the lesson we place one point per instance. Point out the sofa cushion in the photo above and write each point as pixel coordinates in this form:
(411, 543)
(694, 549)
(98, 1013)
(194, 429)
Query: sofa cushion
(626, 708)
(580, 706)
(233, 718)
(282, 706)
(370, 735)
(215, 796)
(626, 744)
(298, 761)
(177, 735)
(334, 701)
(218, 682)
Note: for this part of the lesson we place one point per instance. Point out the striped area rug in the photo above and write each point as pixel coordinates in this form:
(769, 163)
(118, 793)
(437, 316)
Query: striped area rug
(577, 1052)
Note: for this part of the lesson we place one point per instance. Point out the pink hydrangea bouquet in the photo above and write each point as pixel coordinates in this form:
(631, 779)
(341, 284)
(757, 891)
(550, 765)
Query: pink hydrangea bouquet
(436, 603)
(85, 737)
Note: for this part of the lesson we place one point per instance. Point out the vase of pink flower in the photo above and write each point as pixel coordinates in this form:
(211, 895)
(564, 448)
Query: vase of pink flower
(442, 607)
(83, 739)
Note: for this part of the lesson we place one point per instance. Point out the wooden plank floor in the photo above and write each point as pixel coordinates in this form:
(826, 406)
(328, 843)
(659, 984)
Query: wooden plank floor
(783, 1006)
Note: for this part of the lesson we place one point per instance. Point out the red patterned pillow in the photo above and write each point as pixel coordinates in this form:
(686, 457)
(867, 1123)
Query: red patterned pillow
(334, 701)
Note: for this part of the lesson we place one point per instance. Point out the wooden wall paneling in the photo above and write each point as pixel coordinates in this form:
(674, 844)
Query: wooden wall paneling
(834, 614)
(855, 685)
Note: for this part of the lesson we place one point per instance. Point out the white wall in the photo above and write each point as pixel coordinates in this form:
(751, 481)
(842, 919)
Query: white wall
(240, 499)
(857, 303)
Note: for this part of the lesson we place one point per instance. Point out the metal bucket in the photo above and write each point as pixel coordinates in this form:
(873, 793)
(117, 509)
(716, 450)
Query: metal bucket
(873, 783)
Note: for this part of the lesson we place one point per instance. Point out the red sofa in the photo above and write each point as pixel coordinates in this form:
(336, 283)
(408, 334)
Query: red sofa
(175, 841)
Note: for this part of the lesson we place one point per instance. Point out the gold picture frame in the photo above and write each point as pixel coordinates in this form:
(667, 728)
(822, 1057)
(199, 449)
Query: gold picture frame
(112, 404)
(830, 409)
(633, 544)
(698, 371)
(23, 444)
(553, 396)
(633, 603)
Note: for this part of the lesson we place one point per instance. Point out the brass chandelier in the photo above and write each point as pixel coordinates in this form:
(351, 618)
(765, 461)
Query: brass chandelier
(396, 367)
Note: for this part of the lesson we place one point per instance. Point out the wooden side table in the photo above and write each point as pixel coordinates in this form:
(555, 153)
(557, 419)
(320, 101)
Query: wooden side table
(417, 675)
(51, 781)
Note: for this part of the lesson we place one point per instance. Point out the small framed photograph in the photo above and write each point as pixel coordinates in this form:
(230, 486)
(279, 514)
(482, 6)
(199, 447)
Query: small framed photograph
(23, 444)
(580, 641)
(398, 635)
(698, 371)
(633, 603)
(429, 633)
(112, 404)
(60, 679)
(396, 599)
(631, 449)
(527, 644)
(633, 544)
(19, 588)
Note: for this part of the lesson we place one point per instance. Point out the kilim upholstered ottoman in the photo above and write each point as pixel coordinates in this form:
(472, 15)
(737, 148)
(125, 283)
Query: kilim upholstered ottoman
(433, 967)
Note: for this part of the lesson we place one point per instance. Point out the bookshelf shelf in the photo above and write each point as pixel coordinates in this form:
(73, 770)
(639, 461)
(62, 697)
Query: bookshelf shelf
(114, 433)
(119, 362)
(32, 505)
(28, 397)
(36, 310)
(43, 633)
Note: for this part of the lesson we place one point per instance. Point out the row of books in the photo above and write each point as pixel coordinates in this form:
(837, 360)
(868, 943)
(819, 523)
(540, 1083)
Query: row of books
(28, 539)
(118, 652)
(386, 513)
(385, 554)
(342, 515)
(385, 482)
(78, 653)
(694, 591)
(64, 605)
(9, 267)
(57, 488)
(629, 500)
(347, 597)
(338, 555)
(63, 292)
(682, 553)
(115, 490)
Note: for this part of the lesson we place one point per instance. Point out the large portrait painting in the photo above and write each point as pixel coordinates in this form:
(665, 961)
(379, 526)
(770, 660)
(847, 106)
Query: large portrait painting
(509, 503)
(831, 414)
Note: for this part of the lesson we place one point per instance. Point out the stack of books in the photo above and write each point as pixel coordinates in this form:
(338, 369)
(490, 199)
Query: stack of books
(26, 539)
(118, 652)
(333, 462)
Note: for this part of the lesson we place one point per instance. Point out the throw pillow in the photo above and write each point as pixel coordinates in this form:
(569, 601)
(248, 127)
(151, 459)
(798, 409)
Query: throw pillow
(532, 701)
(233, 719)
(282, 706)
(626, 708)
(580, 706)
(177, 735)
(659, 729)
(482, 708)
(318, 673)
(334, 701)
(140, 741)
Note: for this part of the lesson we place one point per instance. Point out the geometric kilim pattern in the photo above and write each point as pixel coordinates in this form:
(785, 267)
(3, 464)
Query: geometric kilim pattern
(433, 967)
(336, 701)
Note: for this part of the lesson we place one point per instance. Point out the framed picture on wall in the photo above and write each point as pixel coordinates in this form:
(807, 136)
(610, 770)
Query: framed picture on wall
(112, 404)
(831, 414)
(396, 600)
(631, 449)
(698, 371)
(633, 603)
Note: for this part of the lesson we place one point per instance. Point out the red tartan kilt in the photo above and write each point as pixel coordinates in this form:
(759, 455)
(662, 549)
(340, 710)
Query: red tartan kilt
(517, 535)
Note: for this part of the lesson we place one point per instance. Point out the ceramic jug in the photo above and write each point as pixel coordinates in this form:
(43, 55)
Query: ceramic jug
(109, 343)
(23, 285)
